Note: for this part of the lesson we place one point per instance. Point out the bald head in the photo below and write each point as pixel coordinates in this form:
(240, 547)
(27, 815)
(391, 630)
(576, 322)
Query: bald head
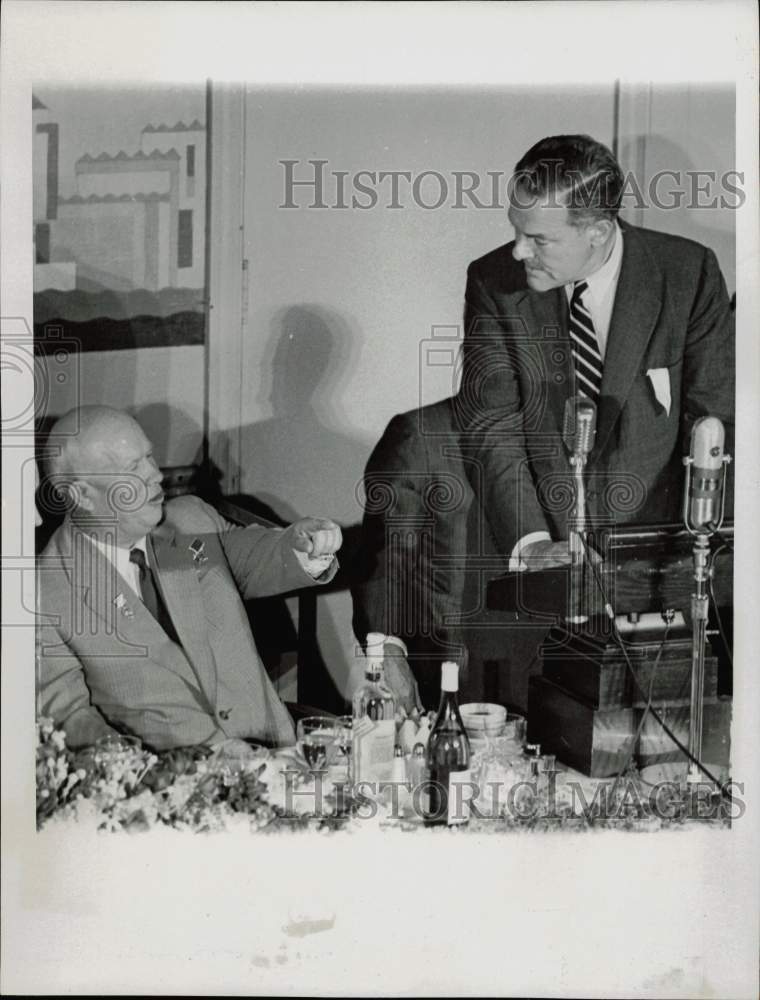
(83, 436)
(104, 464)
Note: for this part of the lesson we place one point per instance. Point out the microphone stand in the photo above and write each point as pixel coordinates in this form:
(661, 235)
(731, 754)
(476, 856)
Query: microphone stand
(577, 526)
(699, 609)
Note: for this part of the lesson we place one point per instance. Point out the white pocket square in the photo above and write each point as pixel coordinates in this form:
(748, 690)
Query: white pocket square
(660, 379)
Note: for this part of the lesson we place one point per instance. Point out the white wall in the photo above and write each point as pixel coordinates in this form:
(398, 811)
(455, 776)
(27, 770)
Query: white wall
(685, 129)
(340, 302)
(162, 386)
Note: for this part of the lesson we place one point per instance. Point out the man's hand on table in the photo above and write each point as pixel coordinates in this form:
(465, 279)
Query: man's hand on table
(546, 554)
(400, 679)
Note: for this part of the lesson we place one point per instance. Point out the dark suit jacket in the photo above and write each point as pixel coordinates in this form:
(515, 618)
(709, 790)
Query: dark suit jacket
(671, 312)
(104, 661)
(426, 554)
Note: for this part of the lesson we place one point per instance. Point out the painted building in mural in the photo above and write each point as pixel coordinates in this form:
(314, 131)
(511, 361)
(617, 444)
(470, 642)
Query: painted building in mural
(136, 221)
(57, 272)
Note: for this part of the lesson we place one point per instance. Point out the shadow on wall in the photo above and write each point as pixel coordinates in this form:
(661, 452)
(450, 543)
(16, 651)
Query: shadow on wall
(677, 194)
(301, 458)
(300, 461)
(170, 430)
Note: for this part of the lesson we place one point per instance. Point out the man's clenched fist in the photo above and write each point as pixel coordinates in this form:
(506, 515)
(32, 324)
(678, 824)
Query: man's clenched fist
(317, 536)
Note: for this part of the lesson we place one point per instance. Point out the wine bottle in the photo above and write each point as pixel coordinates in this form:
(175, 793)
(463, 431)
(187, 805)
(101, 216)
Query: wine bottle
(448, 757)
(374, 725)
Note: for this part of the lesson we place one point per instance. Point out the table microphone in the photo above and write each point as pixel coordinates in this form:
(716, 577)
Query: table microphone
(579, 429)
(578, 435)
(705, 474)
(704, 498)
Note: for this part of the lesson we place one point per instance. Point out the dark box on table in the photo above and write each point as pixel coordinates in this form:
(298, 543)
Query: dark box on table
(597, 741)
(589, 663)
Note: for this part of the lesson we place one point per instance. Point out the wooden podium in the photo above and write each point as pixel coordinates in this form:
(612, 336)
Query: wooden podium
(586, 706)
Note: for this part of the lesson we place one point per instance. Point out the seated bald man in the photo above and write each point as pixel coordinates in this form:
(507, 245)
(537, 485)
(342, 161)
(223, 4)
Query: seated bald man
(143, 629)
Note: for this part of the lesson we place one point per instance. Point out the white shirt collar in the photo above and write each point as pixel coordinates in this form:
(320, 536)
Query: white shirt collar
(113, 550)
(600, 282)
(119, 558)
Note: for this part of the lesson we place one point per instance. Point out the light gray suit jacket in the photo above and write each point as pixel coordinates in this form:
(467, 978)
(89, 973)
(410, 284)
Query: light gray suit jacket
(104, 663)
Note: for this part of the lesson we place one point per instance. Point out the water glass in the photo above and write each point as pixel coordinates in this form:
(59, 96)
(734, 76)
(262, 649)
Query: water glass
(515, 728)
(324, 740)
(114, 747)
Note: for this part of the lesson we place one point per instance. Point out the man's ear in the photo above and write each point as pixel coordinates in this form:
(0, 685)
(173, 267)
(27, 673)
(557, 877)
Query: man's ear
(80, 495)
(600, 231)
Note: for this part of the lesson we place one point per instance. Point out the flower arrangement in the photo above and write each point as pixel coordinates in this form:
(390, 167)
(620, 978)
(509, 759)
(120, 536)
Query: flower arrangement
(119, 785)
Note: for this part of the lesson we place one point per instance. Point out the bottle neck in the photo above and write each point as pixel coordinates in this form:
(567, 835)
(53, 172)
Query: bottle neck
(449, 706)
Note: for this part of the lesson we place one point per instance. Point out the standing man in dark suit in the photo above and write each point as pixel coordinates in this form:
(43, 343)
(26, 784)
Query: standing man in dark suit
(582, 303)
(143, 630)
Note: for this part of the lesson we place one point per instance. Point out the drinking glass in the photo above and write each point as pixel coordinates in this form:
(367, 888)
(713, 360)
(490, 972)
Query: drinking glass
(322, 740)
(342, 745)
(515, 728)
(115, 746)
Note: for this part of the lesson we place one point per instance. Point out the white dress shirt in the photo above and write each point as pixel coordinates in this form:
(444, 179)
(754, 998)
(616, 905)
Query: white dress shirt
(119, 557)
(599, 299)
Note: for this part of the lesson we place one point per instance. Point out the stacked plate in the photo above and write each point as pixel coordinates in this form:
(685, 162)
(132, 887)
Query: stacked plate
(483, 721)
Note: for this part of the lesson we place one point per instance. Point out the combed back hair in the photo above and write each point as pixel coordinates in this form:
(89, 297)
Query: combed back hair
(581, 173)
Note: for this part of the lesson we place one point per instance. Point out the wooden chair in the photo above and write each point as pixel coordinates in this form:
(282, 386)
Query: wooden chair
(278, 640)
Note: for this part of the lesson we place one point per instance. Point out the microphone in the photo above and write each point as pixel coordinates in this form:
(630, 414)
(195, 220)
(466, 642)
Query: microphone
(579, 429)
(706, 459)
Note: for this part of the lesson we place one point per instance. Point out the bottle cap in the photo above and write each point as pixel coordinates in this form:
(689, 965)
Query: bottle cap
(375, 641)
(449, 676)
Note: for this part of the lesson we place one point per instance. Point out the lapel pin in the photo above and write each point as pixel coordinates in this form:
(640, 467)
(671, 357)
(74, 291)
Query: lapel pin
(121, 604)
(197, 548)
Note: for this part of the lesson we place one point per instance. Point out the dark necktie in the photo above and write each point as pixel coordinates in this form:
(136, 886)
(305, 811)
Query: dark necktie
(586, 356)
(151, 597)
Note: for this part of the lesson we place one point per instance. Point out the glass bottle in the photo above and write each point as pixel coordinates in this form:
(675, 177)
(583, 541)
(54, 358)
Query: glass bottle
(374, 725)
(448, 757)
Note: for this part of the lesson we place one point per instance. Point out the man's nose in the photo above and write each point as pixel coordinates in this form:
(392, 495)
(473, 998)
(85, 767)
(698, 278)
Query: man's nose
(522, 249)
(155, 474)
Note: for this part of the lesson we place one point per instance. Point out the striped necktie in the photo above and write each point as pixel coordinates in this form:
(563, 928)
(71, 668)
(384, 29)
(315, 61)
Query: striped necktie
(586, 356)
